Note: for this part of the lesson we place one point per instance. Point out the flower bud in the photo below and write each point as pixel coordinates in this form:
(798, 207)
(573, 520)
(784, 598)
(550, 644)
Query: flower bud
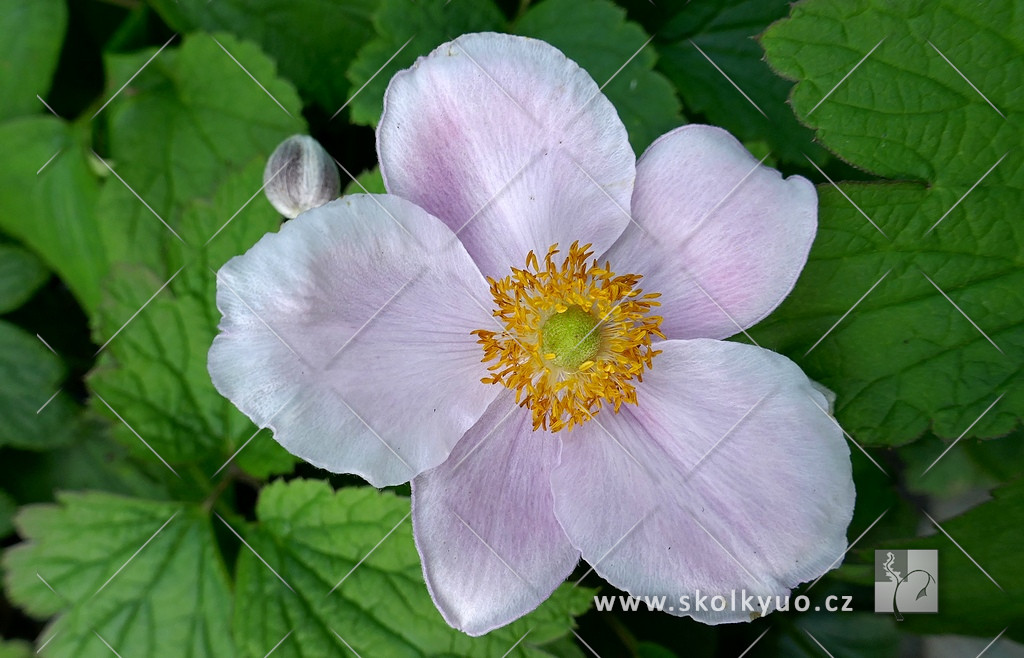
(300, 175)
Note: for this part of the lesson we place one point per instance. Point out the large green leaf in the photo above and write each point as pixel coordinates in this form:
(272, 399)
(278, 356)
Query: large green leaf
(614, 53)
(153, 371)
(406, 31)
(905, 111)
(191, 140)
(312, 41)
(33, 31)
(193, 117)
(345, 589)
(942, 335)
(701, 38)
(144, 577)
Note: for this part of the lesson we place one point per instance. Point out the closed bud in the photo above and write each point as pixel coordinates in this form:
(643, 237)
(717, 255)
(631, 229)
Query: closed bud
(300, 175)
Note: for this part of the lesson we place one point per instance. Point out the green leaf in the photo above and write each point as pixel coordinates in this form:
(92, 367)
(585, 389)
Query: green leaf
(907, 359)
(153, 371)
(48, 199)
(144, 576)
(905, 112)
(191, 140)
(602, 42)
(315, 539)
(91, 460)
(21, 274)
(36, 414)
(406, 31)
(970, 603)
(725, 32)
(193, 118)
(33, 32)
(313, 41)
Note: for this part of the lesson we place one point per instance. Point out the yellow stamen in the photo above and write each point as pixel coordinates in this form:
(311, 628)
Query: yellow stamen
(575, 337)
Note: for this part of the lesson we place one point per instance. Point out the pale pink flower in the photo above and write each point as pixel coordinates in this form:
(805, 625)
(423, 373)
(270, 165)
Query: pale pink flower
(680, 462)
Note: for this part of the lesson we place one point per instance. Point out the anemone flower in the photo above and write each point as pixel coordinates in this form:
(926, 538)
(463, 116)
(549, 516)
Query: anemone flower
(528, 327)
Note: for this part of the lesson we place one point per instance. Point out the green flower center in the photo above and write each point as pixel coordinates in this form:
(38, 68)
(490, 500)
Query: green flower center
(569, 338)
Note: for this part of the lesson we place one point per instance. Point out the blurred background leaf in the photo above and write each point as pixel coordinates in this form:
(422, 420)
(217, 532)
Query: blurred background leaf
(55, 214)
(32, 418)
(710, 53)
(312, 41)
(981, 587)
(21, 274)
(859, 635)
(15, 649)
(33, 33)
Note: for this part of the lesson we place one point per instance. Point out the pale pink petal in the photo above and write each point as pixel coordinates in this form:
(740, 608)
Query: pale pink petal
(348, 333)
(720, 236)
(485, 526)
(728, 475)
(511, 144)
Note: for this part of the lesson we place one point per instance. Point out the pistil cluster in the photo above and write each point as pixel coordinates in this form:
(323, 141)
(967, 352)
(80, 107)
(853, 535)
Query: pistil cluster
(576, 336)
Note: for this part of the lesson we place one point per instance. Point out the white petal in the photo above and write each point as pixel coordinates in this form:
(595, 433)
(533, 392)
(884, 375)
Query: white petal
(728, 475)
(348, 333)
(485, 525)
(511, 144)
(722, 238)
